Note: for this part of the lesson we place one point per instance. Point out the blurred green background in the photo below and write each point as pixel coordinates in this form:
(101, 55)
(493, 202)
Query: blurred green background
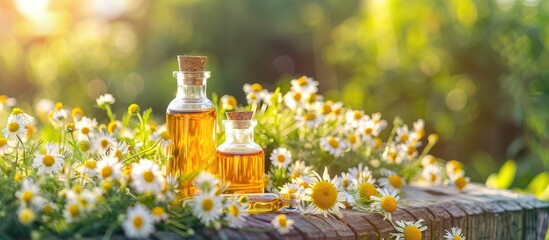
(475, 70)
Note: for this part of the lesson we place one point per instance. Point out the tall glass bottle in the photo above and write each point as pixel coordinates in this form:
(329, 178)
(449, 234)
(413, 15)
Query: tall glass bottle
(190, 120)
(240, 160)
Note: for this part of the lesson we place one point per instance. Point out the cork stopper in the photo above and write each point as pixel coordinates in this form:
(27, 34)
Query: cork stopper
(241, 118)
(188, 63)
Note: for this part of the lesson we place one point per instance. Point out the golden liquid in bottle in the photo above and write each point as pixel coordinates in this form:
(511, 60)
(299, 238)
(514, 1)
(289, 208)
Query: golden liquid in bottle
(244, 171)
(193, 149)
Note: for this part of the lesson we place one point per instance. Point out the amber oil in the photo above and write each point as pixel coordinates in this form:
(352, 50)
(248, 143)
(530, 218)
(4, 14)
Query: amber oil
(243, 171)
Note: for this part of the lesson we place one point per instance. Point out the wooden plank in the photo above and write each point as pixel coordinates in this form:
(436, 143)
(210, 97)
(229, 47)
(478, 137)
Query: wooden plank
(295, 233)
(339, 228)
(274, 234)
(362, 228)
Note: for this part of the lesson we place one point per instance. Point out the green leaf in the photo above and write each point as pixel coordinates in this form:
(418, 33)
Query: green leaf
(506, 174)
(539, 183)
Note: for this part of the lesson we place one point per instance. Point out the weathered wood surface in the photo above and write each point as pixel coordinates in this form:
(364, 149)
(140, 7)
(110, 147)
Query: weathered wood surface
(481, 212)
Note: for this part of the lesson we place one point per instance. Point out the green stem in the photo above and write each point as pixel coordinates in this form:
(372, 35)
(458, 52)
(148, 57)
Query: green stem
(141, 152)
(109, 112)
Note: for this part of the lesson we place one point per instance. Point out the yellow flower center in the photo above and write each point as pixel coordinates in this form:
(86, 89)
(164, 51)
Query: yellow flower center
(282, 220)
(27, 196)
(389, 203)
(77, 112)
(118, 154)
(3, 142)
(326, 109)
(106, 171)
(252, 96)
(73, 210)
(47, 209)
(324, 195)
(309, 117)
(104, 143)
(58, 106)
(234, 210)
(368, 130)
(302, 81)
(148, 176)
(137, 222)
(367, 190)
(412, 233)
(357, 115)
(112, 127)
(133, 109)
(26, 216)
(403, 138)
(231, 101)
(256, 87)
(13, 126)
(107, 185)
(207, 204)
(411, 149)
(165, 135)
(48, 160)
(281, 158)
(461, 183)
(333, 142)
(84, 146)
(345, 183)
(312, 97)
(90, 164)
(352, 138)
(77, 188)
(457, 237)
(395, 181)
(158, 211)
(17, 111)
(420, 133)
(297, 96)
(337, 111)
(433, 177)
(85, 130)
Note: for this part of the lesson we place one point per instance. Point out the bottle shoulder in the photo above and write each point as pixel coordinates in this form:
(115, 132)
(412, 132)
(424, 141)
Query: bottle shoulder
(247, 148)
(193, 105)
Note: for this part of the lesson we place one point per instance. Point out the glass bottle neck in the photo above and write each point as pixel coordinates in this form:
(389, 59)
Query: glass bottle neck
(191, 85)
(239, 132)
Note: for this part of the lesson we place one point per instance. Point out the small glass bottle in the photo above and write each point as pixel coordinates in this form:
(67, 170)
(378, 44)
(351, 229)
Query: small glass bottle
(190, 120)
(240, 161)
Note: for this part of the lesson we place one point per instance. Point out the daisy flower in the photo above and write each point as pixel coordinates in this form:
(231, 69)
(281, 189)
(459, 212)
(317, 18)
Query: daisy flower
(392, 154)
(77, 114)
(355, 117)
(72, 211)
(236, 213)
(139, 223)
(170, 188)
(360, 172)
(163, 135)
(310, 119)
(432, 174)
(365, 188)
(85, 127)
(334, 145)
(353, 139)
(207, 207)
(324, 195)
(346, 180)
(409, 230)
(119, 149)
(146, 177)
(105, 99)
(386, 203)
(282, 223)
(455, 234)
(402, 134)
(460, 182)
(26, 216)
(370, 128)
(59, 115)
(428, 160)
(254, 92)
(419, 129)
(102, 142)
(294, 100)
(299, 169)
(281, 157)
(19, 116)
(4, 146)
(409, 149)
(304, 84)
(206, 182)
(109, 168)
(49, 163)
(229, 102)
(6, 102)
(114, 127)
(15, 129)
(391, 180)
(292, 193)
(454, 169)
(330, 109)
(159, 214)
(29, 194)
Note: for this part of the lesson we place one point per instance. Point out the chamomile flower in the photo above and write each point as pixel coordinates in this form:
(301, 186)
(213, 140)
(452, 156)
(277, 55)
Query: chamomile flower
(159, 214)
(354, 140)
(391, 180)
(329, 109)
(139, 223)
(292, 193)
(26, 216)
(228, 102)
(355, 117)
(324, 195)
(304, 84)
(4, 146)
(281, 157)
(118, 150)
(299, 169)
(346, 180)
(402, 134)
(454, 169)
(419, 129)
(360, 172)
(428, 160)
(49, 163)
(15, 129)
(6, 102)
(236, 212)
(409, 230)
(163, 135)
(102, 142)
(282, 223)
(59, 115)
(73, 211)
(370, 128)
(29, 194)
(455, 234)
(365, 188)
(409, 149)
(105, 99)
(19, 116)
(170, 188)
(114, 127)
(386, 203)
(206, 182)
(460, 182)
(109, 168)
(392, 155)
(146, 177)
(310, 119)
(334, 145)
(254, 93)
(432, 174)
(294, 100)
(207, 207)
(85, 127)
